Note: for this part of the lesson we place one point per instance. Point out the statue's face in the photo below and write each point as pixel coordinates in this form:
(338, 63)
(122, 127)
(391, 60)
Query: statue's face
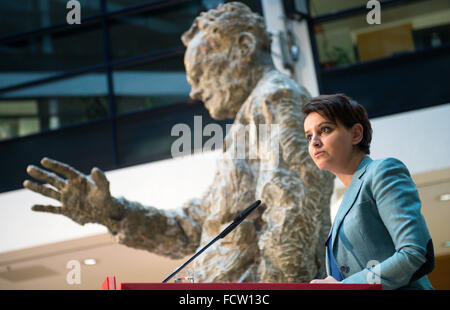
(213, 78)
(194, 60)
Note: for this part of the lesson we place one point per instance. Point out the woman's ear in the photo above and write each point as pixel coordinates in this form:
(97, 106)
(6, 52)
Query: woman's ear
(247, 44)
(357, 133)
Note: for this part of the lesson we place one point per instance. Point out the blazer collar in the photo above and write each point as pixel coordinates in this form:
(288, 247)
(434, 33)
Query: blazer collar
(350, 196)
(362, 167)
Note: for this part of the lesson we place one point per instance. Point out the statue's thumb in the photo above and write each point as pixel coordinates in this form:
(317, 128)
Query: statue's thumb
(99, 178)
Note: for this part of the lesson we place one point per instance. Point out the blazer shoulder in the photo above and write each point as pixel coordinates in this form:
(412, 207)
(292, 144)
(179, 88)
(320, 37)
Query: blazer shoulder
(379, 170)
(386, 164)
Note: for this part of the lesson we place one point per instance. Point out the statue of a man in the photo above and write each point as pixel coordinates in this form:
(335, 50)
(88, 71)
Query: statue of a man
(229, 66)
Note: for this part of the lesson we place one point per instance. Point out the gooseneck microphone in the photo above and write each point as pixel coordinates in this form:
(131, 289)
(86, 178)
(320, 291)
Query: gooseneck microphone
(236, 221)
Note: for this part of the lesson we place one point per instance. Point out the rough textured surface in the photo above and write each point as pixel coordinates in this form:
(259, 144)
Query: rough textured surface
(284, 241)
(229, 66)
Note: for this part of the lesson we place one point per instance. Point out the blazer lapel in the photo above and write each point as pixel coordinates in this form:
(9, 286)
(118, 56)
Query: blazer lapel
(349, 197)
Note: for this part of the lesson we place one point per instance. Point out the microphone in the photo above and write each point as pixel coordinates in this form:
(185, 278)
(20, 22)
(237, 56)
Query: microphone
(236, 221)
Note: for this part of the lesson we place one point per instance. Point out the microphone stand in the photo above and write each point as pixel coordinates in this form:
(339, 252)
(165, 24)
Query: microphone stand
(236, 221)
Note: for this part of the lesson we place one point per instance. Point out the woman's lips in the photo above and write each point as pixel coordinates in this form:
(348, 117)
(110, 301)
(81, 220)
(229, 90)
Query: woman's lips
(319, 154)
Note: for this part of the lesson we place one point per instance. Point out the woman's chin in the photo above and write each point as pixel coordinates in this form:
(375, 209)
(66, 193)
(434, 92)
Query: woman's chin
(321, 164)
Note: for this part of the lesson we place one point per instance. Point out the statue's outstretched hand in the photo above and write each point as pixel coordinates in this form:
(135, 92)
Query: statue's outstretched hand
(83, 198)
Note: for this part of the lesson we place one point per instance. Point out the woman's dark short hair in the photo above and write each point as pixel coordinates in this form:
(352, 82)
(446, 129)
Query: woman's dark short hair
(344, 109)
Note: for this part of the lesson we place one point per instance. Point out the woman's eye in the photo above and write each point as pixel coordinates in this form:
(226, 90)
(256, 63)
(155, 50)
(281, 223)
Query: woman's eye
(326, 129)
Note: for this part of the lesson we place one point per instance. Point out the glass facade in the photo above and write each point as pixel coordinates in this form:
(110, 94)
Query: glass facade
(30, 15)
(398, 65)
(150, 31)
(403, 29)
(105, 92)
(53, 105)
(116, 5)
(33, 58)
(124, 56)
(150, 85)
(323, 7)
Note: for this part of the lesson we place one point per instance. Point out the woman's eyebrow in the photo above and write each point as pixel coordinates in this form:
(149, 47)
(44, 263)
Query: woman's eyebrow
(320, 124)
(327, 122)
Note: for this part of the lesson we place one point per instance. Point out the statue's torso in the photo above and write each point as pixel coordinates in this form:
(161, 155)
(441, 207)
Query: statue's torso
(259, 172)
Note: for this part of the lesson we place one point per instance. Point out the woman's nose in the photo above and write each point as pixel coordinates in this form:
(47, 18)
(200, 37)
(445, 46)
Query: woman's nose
(315, 141)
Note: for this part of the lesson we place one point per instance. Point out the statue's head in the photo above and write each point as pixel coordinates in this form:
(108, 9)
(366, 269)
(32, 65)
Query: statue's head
(227, 50)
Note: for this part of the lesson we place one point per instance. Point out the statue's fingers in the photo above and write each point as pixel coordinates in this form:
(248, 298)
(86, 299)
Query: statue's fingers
(61, 168)
(47, 208)
(45, 176)
(99, 178)
(43, 190)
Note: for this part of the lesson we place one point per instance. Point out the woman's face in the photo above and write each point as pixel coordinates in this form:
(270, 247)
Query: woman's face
(330, 145)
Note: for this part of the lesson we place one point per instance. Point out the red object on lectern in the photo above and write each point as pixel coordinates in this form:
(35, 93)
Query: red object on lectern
(237, 286)
(109, 283)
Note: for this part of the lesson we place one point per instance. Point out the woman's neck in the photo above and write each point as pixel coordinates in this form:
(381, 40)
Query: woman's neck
(346, 174)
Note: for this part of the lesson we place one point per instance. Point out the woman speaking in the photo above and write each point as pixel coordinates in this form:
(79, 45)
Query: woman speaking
(379, 234)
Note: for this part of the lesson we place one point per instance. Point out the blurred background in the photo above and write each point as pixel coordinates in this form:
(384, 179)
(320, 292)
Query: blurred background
(107, 92)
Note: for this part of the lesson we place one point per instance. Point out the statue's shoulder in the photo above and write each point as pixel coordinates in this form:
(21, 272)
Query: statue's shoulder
(277, 86)
(276, 95)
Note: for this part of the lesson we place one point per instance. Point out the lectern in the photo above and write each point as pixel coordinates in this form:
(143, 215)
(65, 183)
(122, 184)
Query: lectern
(110, 284)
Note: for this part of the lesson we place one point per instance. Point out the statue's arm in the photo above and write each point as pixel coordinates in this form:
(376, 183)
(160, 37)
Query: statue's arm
(87, 199)
(173, 233)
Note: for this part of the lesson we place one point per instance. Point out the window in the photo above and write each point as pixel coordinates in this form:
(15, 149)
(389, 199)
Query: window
(323, 7)
(31, 58)
(112, 86)
(28, 15)
(396, 66)
(53, 105)
(150, 31)
(155, 84)
(403, 29)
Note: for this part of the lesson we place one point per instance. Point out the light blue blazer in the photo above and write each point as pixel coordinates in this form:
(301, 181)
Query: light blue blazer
(379, 234)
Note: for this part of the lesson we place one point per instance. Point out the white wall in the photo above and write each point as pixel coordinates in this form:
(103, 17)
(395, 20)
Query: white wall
(420, 138)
